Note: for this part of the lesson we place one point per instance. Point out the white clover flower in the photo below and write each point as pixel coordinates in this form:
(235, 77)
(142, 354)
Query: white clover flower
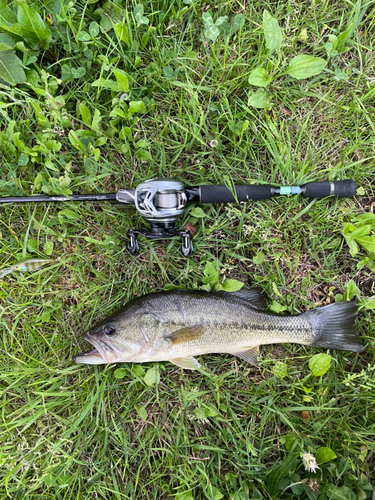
(313, 484)
(309, 462)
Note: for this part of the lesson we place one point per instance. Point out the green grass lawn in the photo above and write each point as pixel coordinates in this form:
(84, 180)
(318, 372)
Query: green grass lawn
(96, 96)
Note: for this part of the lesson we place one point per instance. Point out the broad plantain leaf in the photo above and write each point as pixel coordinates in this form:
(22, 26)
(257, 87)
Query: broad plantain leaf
(324, 454)
(10, 68)
(231, 285)
(120, 373)
(358, 232)
(367, 242)
(258, 99)
(303, 66)
(6, 41)
(143, 155)
(4, 46)
(319, 364)
(272, 32)
(137, 107)
(33, 29)
(259, 78)
(7, 16)
(152, 376)
(8, 23)
(340, 492)
(279, 471)
(13, 31)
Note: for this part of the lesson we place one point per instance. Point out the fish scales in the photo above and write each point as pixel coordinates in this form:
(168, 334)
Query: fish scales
(243, 324)
(179, 324)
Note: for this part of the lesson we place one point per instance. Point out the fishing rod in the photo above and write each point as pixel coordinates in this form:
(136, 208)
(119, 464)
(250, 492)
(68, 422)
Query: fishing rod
(162, 201)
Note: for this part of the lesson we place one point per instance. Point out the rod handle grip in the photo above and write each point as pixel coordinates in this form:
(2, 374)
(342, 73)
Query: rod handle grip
(341, 189)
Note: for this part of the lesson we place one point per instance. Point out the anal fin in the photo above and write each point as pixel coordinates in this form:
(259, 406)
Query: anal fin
(188, 363)
(250, 355)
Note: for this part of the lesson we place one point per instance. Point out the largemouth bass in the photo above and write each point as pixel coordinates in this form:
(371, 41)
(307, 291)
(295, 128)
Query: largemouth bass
(177, 325)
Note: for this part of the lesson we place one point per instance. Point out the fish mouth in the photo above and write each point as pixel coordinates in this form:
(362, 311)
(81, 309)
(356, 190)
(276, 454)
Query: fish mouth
(90, 358)
(103, 352)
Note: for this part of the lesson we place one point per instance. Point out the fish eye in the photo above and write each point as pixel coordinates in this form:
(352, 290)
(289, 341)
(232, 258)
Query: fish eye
(109, 330)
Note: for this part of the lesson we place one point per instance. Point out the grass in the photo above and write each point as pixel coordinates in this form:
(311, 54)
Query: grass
(76, 432)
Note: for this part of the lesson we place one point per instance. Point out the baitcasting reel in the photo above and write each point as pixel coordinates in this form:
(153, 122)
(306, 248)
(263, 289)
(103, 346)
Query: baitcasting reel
(162, 201)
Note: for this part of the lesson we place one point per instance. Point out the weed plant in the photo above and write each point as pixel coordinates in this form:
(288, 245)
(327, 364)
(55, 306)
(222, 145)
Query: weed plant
(100, 95)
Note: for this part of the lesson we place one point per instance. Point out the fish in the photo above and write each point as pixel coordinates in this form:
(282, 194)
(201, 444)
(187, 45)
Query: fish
(177, 325)
(25, 266)
(31, 264)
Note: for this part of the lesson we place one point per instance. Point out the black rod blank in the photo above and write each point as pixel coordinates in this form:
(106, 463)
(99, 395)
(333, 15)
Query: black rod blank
(43, 198)
(211, 193)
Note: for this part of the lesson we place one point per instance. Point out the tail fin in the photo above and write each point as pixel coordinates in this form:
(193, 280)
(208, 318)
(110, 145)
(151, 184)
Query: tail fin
(333, 327)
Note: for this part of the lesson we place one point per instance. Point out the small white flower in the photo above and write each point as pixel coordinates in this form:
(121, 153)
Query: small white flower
(214, 143)
(309, 462)
(59, 131)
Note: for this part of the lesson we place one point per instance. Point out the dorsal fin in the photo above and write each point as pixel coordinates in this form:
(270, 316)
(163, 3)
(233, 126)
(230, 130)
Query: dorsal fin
(253, 296)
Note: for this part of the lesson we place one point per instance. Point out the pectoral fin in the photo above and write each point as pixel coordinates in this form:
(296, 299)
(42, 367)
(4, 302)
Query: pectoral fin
(189, 363)
(185, 335)
(250, 355)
